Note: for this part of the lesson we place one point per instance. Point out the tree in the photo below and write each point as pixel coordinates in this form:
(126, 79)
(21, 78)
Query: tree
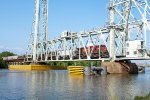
(3, 64)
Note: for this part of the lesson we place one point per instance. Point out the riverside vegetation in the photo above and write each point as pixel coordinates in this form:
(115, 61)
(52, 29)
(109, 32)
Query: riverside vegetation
(3, 64)
(147, 97)
(75, 63)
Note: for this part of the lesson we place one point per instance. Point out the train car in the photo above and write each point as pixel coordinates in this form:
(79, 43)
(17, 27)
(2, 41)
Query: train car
(95, 51)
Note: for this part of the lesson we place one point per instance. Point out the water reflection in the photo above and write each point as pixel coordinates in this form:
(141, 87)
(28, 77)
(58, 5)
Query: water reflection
(58, 85)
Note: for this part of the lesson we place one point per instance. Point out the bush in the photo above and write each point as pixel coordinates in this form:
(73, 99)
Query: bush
(147, 97)
(3, 64)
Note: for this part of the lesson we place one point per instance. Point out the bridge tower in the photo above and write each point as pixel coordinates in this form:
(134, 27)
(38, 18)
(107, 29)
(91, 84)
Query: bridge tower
(129, 21)
(38, 37)
(112, 30)
(129, 25)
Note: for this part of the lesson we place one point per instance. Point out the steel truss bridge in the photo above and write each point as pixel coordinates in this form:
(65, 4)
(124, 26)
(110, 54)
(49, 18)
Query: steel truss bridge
(124, 37)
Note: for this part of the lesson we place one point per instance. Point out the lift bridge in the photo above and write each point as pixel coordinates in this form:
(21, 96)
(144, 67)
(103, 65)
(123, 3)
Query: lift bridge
(123, 37)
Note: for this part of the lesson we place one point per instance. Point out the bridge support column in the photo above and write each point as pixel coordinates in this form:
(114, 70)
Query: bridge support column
(120, 67)
(112, 49)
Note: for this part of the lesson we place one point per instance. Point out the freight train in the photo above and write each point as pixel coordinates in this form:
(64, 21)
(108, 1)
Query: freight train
(94, 52)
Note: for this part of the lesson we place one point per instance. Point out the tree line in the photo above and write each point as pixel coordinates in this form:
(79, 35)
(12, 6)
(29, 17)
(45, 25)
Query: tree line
(75, 63)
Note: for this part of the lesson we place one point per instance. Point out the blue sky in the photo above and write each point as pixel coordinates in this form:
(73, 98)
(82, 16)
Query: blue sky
(16, 19)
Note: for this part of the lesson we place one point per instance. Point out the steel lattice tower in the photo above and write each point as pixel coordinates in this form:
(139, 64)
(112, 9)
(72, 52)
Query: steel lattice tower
(38, 37)
(129, 20)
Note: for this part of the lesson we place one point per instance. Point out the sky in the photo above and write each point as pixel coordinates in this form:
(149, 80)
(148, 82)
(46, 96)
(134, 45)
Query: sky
(16, 18)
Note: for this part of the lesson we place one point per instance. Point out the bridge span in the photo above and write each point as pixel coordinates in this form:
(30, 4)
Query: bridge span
(123, 37)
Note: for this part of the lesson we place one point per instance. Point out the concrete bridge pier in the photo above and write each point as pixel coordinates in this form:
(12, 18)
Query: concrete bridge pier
(120, 67)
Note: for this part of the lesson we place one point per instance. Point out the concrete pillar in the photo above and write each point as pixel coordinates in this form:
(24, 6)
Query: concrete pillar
(87, 70)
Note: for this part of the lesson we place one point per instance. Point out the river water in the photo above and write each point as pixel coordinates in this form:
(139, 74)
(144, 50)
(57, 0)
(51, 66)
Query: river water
(58, 85)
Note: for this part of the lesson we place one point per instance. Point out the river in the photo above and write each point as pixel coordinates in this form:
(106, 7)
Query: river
(58, 85)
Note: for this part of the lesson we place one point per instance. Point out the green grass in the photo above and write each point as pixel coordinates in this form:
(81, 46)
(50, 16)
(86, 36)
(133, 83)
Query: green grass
(147, 97)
